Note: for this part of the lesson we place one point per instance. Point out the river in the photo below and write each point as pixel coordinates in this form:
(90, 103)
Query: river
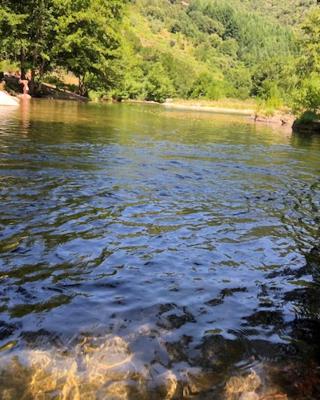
(155, 254)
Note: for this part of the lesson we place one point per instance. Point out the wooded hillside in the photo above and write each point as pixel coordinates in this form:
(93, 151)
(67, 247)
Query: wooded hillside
(156, 49)
(211, 49)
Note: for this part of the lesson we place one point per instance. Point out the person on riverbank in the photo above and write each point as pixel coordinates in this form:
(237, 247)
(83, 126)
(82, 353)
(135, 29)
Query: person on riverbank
(25, 88)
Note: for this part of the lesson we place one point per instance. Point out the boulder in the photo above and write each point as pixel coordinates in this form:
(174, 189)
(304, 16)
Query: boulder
(308, 127)
(243, 387)
(7, 100)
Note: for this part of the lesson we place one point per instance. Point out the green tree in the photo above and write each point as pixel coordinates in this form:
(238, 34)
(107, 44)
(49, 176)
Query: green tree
(158, 86)
(310, 61)
(88, 40)
(307, 94)
(81, 36)
(206, 86)
(240, 81)
(27, 33)
(307, 97)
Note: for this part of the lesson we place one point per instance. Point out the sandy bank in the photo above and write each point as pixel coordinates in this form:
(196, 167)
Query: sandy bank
(217, 110)
(280, 118)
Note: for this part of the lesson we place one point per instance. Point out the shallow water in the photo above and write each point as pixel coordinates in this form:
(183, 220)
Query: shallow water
(185, 235)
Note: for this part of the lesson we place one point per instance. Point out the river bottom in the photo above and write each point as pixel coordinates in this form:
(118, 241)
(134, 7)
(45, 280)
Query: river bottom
(156, 254)
(105, 367)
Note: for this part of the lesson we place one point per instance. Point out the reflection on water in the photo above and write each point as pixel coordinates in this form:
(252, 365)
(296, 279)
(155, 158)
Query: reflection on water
(25, 104)
(147, 254)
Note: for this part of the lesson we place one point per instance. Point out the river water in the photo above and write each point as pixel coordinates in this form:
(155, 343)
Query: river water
(155, 254)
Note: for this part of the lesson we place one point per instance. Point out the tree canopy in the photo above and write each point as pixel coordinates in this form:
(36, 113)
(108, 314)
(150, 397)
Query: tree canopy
(81, 36)
(307, 94)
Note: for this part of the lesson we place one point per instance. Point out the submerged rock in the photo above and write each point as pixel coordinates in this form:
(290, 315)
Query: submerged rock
(104, 368)
(243, 388)
(166, 385)
(249, 396)
(250, 388)
(96, 369)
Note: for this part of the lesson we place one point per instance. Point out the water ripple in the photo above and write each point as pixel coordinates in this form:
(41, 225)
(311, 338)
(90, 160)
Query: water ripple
(195, 235)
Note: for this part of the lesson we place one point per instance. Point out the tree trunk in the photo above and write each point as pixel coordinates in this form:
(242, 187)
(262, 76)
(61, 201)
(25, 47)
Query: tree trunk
(82, 89)
(22, 66)
(32, 84)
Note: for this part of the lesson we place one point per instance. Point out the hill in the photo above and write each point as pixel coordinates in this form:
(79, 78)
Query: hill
(209, 49)
(289, 12)
(155, 49)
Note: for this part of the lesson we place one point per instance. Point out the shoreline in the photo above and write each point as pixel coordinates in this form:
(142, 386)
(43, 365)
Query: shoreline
(306, 127)
(235, 107)
(212, 109)
(280, 119)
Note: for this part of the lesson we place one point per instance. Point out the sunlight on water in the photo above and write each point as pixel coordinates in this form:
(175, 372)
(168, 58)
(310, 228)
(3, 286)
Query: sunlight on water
(149, 254)
(105, 368)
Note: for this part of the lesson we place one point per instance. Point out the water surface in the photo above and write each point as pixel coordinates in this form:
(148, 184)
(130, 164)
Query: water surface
(190, 237)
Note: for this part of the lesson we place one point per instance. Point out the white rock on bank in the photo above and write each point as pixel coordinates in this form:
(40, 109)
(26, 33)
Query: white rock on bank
(7, 100)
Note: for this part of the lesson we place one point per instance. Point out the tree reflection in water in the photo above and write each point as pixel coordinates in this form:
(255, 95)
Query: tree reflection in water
(164, 253)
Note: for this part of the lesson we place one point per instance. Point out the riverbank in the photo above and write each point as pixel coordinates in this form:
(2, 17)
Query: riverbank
(213, 109)
(246, 108)
(49, 91)
(309, 127)
(249, 108)
(308, 123)
(44, 90)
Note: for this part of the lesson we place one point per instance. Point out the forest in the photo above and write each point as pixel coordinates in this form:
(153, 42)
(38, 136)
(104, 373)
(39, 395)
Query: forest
(267, 50)
(159, 199)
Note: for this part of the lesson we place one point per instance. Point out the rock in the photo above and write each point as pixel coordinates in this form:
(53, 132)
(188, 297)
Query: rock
(308, 127)
(315, 252)
(115, 391)
(110, 352)
(243, 388)
(7, 100)
(249, 396)
(97, 368)
(166, 384)
(52, 373)
(313, 258)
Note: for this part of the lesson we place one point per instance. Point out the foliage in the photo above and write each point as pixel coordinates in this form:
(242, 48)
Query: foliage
(155, 49)
(158, 86)
(307, 93)
(307, 96)
(289, 12)
(26, 34)
(308, 116)
(79, 35)
(208, 49)
(310, 42)
(8, 66)
(87, 40)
